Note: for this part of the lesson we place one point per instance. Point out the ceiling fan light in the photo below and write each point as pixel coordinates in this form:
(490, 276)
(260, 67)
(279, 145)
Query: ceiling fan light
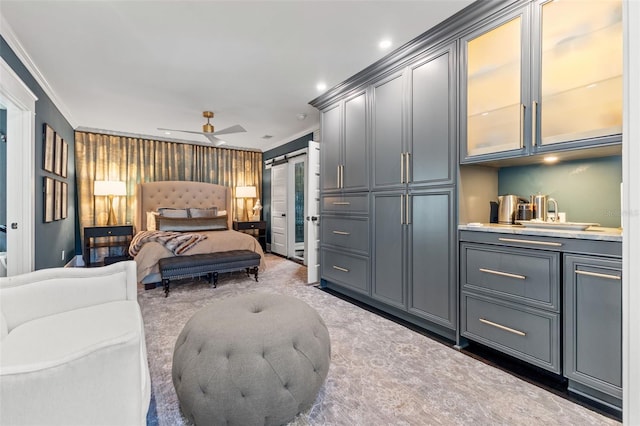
(207, 128)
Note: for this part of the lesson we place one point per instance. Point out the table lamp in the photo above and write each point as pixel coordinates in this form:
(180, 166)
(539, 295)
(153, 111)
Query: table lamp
(109, 188)
(245, 192)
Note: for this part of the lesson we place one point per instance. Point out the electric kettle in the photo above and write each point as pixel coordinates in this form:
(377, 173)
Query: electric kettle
(507, 208)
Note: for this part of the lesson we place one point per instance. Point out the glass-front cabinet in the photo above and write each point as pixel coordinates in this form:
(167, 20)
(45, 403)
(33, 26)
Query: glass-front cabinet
(495, 78)
(579, 92)
(544, 77)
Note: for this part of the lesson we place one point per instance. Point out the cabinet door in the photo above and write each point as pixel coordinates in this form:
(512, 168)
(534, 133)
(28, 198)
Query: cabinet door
(356, 153)
(432, 266)
(330, 147)
(388, 161)
(388, 242)
(495, 86)
(593, 323)
(579, 61)
(433, 123)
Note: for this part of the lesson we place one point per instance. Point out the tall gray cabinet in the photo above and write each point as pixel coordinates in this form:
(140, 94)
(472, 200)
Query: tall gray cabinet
(402, 123)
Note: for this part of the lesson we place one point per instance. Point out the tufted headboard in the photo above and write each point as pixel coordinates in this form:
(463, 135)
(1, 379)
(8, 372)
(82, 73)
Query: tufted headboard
(151, 196)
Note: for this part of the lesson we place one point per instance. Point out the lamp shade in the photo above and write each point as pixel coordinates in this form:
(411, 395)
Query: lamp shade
(246, 192)
(109, 187)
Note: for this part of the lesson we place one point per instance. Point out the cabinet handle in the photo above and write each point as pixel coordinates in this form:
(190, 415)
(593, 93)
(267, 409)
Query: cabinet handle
(502, 327)
(340, 269)
(534, 123)
(341, 203)
(341, 233)
(402, 167)
(541, 243)
(596, 274)
(338, 176)
(522, 126)
(504, 274)
(406, 210)
(342, 176)
(401, 209)
(407, 166)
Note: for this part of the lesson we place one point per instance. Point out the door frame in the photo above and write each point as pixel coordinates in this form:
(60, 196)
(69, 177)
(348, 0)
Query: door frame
(20, 103)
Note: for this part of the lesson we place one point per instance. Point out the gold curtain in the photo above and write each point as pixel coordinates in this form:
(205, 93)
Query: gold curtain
(135, 160)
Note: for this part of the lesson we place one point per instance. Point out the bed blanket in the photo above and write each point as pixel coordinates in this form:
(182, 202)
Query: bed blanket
(176, 242)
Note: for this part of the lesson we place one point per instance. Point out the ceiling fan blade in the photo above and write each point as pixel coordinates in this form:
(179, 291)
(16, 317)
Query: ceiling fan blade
(215, 141)
(183, 131)
(233, 129)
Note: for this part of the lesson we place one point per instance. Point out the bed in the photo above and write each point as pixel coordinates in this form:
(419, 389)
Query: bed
(152, 196)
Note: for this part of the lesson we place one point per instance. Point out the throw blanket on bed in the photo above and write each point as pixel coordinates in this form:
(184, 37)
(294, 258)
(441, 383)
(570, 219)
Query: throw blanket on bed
(176, 242)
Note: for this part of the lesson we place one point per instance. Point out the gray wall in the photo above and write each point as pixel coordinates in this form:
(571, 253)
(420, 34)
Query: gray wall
(53, 237)
(279, 151)
(587, 190)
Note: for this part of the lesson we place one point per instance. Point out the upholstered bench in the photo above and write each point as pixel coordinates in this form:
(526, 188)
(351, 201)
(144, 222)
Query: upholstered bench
(209, 264)
(254, 359)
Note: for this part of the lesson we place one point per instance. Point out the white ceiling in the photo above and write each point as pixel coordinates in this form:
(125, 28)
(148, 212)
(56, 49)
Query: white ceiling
(134, 66)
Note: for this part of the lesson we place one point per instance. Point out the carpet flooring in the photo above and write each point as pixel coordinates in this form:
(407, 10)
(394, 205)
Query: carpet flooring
(381, 372)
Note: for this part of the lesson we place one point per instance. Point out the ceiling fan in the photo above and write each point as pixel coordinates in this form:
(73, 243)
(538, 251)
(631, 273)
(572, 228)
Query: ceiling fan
(208, 130)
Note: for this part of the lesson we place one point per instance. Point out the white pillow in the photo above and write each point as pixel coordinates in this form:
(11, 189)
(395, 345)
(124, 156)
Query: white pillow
(151, 221)
(222, 213)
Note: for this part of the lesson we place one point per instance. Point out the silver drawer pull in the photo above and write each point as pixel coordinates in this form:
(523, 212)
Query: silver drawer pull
(341, 233)
(502, 327)
(504, 274)
(341, 203)
(595, 274)
(340, 269)
(541, 243)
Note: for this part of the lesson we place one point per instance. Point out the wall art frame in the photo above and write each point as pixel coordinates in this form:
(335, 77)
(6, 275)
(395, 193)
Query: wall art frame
(49, 204)
(48, 148)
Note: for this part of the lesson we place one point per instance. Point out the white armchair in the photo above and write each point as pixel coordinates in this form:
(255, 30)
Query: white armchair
(72, 348)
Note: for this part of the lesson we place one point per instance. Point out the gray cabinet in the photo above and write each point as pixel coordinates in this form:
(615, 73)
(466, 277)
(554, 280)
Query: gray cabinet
(414, 253)
(533, 80)
(387, 136)
(414, 125)
(511, 301)
(593, 327)
(344, 147)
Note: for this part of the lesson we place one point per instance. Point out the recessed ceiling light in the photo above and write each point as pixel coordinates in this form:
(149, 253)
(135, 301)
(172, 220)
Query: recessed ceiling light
(385, 44)
(321, 86)
(301, 116)
(550, 159)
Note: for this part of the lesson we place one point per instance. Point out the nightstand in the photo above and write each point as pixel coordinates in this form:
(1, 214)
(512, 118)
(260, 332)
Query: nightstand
(108, 237)
(257, 228)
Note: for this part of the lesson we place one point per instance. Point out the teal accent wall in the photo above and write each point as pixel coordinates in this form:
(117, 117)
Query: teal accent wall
(587, 190)
(53, 237)
(3, 179)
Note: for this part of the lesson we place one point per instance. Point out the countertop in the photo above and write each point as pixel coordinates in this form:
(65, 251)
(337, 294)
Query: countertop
(592, 233)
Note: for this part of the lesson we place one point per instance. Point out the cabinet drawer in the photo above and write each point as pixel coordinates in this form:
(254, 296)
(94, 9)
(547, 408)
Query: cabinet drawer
(345, 269)
(521, 275)
(346, 203)
(526, 333)
(349, 233)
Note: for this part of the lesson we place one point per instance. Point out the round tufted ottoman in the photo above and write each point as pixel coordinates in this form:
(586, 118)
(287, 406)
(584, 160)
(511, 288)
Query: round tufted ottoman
(256, 359)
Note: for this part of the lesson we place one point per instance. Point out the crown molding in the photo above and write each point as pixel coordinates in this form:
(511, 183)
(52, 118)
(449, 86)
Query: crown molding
(12, 40)
(291, 138)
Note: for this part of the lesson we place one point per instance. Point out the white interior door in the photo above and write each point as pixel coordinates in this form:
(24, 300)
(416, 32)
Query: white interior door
(19, 102)
(279, 209)
(312, 201)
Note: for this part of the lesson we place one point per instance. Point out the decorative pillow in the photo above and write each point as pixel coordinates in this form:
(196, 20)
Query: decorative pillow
(171, 212)
(221, 213)
(151, 221)
(192, 224)
(208, 212)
